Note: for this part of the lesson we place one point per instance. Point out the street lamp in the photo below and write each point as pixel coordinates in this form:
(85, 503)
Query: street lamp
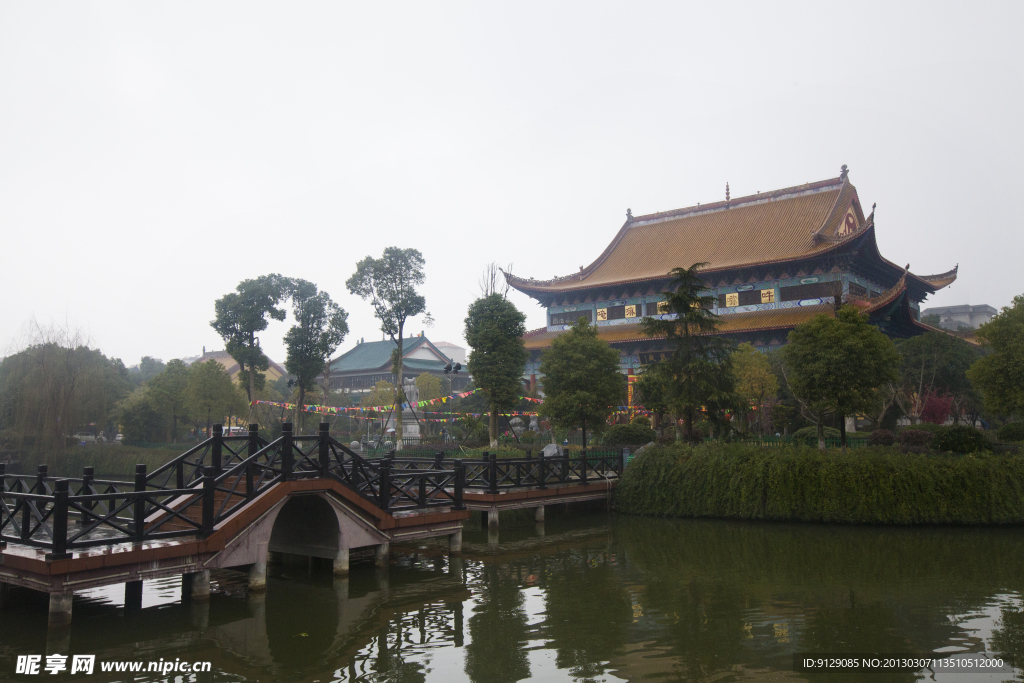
(450, 371)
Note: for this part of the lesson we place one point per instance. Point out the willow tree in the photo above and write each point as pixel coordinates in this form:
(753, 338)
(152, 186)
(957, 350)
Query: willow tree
(697, 374)
(389, 284)
(240, 315)
(494, 332)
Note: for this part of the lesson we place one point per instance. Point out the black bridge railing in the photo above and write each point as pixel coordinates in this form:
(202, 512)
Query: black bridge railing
(200, 488)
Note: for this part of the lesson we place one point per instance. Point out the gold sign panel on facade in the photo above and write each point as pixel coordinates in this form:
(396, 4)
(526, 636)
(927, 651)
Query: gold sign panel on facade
(602, 314)
(662, 307)
(732, 300)
(631, 311)
(767, 296)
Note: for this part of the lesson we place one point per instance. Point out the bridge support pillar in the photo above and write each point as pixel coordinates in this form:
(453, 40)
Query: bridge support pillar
(492, 519)
(196, 586)
(341, 562)
(382, 553)
(274, 557)
(538, 515)
(455, 543)
(60, 609)
(258, 576)
(5, 594)
(132, 596)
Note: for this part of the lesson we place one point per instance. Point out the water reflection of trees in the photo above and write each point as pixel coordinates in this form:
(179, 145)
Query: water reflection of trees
(845, 589)
(498, 629)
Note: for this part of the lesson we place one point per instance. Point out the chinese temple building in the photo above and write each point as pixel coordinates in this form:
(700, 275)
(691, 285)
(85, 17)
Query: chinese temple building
(359, 369)
(774, 260)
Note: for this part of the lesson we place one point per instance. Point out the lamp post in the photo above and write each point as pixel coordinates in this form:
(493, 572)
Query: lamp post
(450, 371)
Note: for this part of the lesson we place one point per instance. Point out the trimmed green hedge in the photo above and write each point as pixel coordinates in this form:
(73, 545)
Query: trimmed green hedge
(875, 485)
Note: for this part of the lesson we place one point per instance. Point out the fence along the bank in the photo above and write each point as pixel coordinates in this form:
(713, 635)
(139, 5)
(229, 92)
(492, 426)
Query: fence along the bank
(193, 492)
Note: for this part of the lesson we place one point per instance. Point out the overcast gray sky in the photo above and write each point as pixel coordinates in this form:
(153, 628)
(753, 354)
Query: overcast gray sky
(152, 155)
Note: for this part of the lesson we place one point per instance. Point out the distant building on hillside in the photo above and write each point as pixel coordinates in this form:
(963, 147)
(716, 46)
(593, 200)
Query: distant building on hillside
(273, 373)
(955, 317)
(357, 370)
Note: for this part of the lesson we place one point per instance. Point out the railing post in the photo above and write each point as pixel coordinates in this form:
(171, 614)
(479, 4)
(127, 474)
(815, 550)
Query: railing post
(3, 489)
(179, 475)
(565, 465)
(460, 481)
(583, 465)
(287, 457)
(88, 473)
(60, 521)
(254, 447)
(209, 482)
(492, 475)
(40, 486)
(140, 502)
(216, 449)
(542, 471)
(384, 486)
(422, 501)
(325, 450)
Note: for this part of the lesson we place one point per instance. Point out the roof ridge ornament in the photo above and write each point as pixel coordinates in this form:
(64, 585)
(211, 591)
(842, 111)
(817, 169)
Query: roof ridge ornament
(727, 194)
(843, 172)
(629, 214)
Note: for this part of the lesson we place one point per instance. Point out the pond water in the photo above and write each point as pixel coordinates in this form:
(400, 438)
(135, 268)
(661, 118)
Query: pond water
(586, 597)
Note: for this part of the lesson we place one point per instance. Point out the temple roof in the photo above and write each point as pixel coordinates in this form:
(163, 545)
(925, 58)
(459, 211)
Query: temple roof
(769, 227)
(376, 355)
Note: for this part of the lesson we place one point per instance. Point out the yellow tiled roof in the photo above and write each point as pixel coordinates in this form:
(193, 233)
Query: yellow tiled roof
(770, 227)
(782, 318)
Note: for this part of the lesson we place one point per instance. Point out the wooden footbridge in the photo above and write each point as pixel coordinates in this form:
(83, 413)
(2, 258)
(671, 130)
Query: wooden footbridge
(232, 500)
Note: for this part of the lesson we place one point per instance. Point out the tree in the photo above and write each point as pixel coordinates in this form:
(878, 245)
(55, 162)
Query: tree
(834, 364)
(320, 327)
(933, 364)
(755, 381)
(168, 392)
(243, 313)
(999, 376)
(494, 332)
(696, 375)
(150, 367)
(390, 283)
(582, 382)
(210, 392)
(429, 387)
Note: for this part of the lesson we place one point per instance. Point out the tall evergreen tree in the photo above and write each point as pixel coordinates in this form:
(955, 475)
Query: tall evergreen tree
(697, 373)
(582, 382)
(494, 332)
(320, 327)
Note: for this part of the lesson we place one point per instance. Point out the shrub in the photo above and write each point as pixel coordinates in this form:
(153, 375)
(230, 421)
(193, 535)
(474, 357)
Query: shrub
(960, 439)
(929, 427)
(915, 440)
(873, 485)
(810, 434)
(1012, 431)
(641, 420)
(882, 437)
(626, 435)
